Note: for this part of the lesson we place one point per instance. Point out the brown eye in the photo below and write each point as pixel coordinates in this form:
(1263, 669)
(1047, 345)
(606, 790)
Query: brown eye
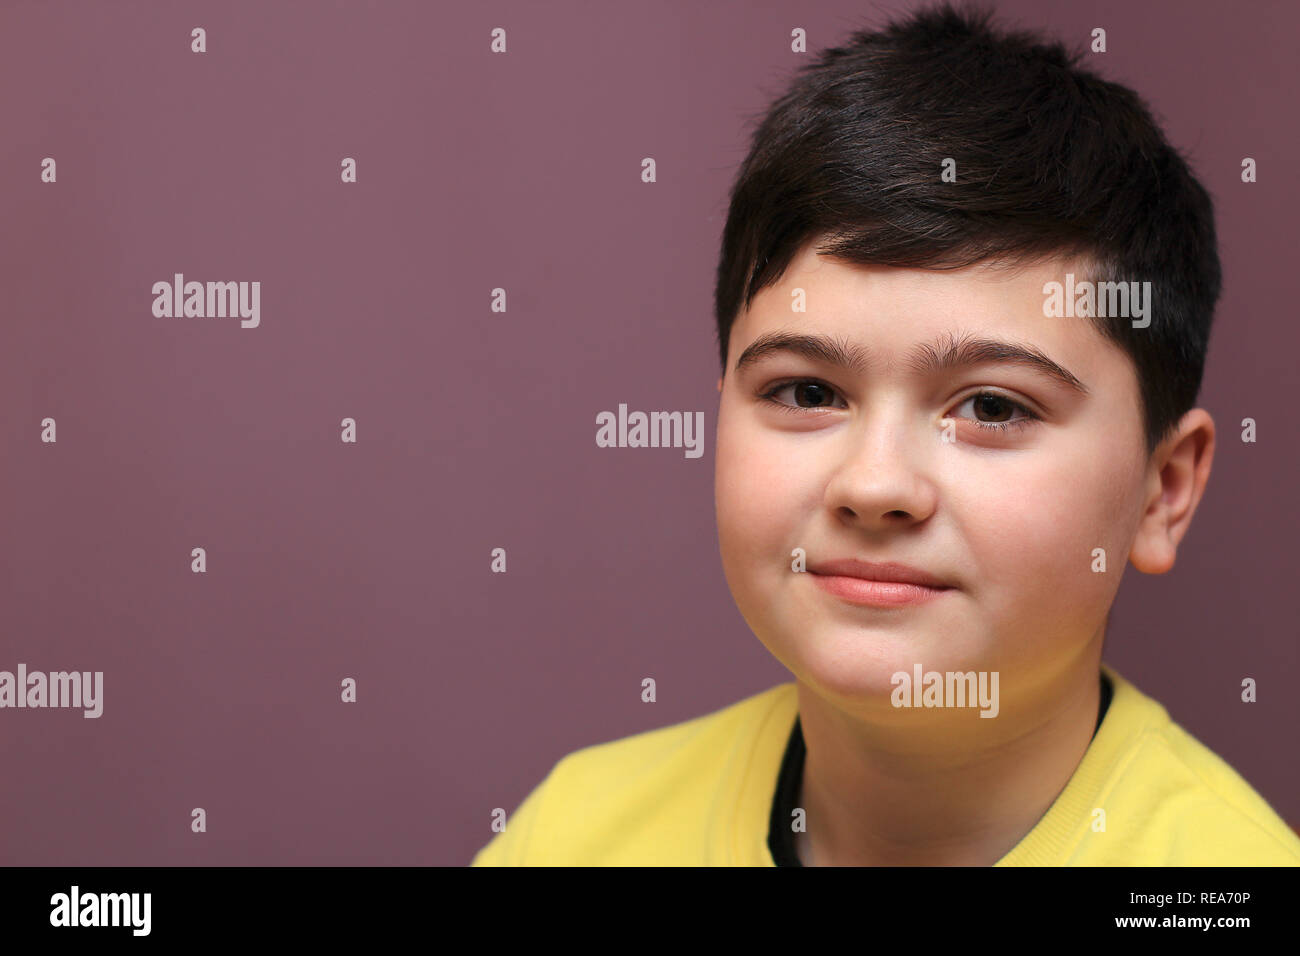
(815, 395)
(994, 406)
(999, 408)
(807, 393)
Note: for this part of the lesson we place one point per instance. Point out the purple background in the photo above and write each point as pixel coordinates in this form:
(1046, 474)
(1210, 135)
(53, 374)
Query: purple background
(476, 429)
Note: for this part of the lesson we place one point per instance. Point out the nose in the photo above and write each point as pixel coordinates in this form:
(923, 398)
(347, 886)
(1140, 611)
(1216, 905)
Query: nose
(880, 478)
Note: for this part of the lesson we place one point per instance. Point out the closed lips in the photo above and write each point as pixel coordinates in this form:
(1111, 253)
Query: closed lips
(889, 571)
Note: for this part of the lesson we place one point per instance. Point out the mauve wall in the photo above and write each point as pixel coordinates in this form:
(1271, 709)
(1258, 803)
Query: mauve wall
(475, 428)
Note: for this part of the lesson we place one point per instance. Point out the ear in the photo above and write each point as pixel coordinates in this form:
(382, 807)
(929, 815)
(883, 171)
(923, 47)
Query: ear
(719, 385)
(1176, 477)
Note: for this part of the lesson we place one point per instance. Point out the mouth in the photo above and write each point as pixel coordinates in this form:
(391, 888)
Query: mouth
(884, 585)
(877, 593)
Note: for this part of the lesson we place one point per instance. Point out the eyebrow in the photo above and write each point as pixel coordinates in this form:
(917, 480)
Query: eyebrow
(950, 351)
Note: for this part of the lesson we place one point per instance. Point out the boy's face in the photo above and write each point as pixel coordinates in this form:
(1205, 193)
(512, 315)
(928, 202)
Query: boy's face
(859, 468)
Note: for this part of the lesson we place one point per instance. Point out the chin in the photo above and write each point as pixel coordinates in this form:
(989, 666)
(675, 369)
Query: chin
(859, 663)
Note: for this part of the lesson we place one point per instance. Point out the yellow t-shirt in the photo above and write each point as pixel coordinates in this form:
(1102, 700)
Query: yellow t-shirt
(699, 793)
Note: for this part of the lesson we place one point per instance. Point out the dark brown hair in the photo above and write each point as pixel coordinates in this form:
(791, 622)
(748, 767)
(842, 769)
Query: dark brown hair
(1051, 159)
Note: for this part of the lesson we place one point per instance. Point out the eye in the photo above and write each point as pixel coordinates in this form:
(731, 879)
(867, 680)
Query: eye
(818, 394)
(996, 406)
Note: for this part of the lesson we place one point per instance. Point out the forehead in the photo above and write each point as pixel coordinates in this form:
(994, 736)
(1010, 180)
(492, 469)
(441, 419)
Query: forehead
(892, 310)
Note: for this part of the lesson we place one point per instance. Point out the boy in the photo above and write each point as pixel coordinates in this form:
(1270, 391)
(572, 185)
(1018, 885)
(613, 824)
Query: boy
(940, 439)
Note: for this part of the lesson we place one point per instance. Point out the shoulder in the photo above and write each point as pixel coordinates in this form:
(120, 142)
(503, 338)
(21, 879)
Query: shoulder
(641, 797)
(1180, 804)
(1211, 816)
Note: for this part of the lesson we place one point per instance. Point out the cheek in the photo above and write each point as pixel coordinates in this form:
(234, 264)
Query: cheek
(760, 493)
(1034, 531)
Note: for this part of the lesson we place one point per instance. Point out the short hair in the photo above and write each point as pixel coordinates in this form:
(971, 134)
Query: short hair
(1051, 160)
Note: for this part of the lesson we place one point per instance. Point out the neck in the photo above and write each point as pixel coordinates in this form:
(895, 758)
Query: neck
(942, 787)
